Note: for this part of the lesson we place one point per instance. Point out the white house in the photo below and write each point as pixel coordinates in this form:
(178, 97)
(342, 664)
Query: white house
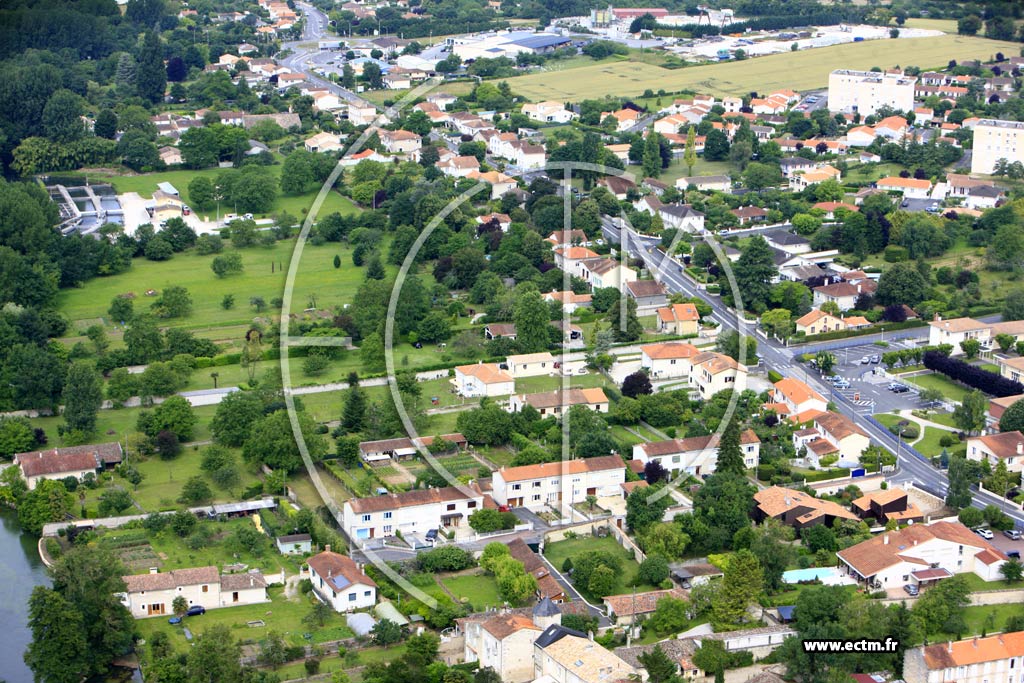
(682, 217)
(294, 544)
(974, 660)
(499, 182)
(324, 142)
(400, 141)
(558, 401)
(679, 319)
(561, 656)
(459, 166)
(697, 456)
(504, 643)
(483, 379)
(793, 397)
(410, 512)
(921, 554)
(570, 300)
(558, 483)
(606, 272)
(712, 372)
(548, 112)
(957, 330)
(830, 434)
(153, 594)
(624, 118)
(912, 188)
(70, 461)
(668, 360)
(1005, 446)
(843, 294)
(530, 364)
(340, 582)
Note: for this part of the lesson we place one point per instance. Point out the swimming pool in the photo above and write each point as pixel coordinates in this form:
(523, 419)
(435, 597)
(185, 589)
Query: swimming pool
(829, 576)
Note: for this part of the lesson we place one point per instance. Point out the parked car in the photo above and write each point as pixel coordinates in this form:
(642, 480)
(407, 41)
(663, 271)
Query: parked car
(911, 590)
(901, 389)
(893, 386)
(432, 535)
(841, 384)
(1015, 554)
(876, 359)
(1013, 534)
(195, 611)
(865, 360)
(834, 378)
(985, 533)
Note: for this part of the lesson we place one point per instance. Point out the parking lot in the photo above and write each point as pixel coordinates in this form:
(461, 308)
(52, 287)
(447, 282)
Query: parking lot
(868, 386)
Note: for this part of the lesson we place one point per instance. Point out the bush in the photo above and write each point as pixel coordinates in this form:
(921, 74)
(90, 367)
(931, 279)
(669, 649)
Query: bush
(895, 253)
(947, 440)
(653, 570)
(974, 377)
(447, 558)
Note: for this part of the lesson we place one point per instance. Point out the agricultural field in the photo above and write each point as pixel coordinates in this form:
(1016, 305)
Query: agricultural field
(797, 70)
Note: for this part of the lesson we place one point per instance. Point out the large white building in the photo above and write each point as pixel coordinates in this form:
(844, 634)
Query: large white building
(1005, 446)
(153, 594)
(340, 582)
(558, 483)
(483, 379)
(561, 655)
(975, 660)
(411, 512)
(995, 140)
(865, 92)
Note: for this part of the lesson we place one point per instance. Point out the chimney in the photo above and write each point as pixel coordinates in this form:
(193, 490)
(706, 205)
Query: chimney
(154, 570)
(1020, 447)
(327, 548)
(858, 288)
(885, 539)
(975, 642)
(949, 646)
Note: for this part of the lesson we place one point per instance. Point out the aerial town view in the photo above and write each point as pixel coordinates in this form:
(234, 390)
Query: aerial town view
(512, 341)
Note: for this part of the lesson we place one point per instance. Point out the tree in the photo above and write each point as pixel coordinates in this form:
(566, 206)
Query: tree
(754, 271)
(971, 348)
(173, 302)
(665, 539)
(121, 309)
(1012, 570)
(642, 510)
(670, 616)
(603, 581)
(778, 322)
(373, 76)
(742, 584)
(531, 317)
(83, 396)
(434, 328)
(62, 117)
(16, 436)
(1013, 305)
(486, 520)
(227, 264)
(637, 384)
(690, 155)
(48, 502)
(179, 606)
(150, 75)
(969, 416)
(902, 283)
(826, 361)
(195, 491)
(215, 656)
(771, 546)
(716, 145)
(272, 443)
(653, 570)
(730, 453)
(941, 607)
(1013, 418)
(758, 176)
(114, 502)
(625, 326)
(105, 125)
(968, 25)
(651, 163)
(174, 415)
(960, 475)
(58, 652)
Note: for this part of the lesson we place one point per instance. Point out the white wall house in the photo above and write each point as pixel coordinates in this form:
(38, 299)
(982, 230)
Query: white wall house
(697, 456)
(994, 140)
(1005, 446)
(974, 660)
(70, 461)
(531, 364)
(956, 330)
(797, 396)
(557, 402)
(559, 656)
(340, 582)
(865, 92)
(483, 379)
(713, 372)
(503, 642)
(410, 512)
(667, 361)
(558, 483)
(912, 554)
(153, 594)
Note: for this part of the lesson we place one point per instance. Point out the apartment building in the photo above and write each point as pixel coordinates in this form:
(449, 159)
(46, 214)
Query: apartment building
(865, 92)
(558, 483)
(994, 140)
(416, 511)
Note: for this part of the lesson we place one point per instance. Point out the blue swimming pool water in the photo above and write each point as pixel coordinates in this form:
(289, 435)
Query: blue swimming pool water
(820, 573)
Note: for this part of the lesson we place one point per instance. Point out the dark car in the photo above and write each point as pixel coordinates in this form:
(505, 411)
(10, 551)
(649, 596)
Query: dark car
(174, 620)
(195, 611)
(432, 535)
(911, 590)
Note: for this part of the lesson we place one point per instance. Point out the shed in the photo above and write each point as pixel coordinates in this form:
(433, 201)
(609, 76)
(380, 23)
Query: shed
(168, 188)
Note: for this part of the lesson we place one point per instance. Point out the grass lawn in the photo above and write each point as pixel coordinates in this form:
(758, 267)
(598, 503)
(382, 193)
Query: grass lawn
(929, 443)
(620, 434)
(556, 553)
(978, 618)
(978, 584)
(146, 183)
(532, 385)
(478, 589)
(163, 479)
(863, 173)
(950, 389)
(263, 276)
(991, 367)
(947, 25)
(943, 419)
(797, 70)
(114, 424)
(677, 169)
(283, 615)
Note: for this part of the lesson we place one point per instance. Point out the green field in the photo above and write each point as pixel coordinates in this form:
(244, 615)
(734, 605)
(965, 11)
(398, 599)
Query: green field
(949, 388)
(797, 70)
(478, 589)
(145, 184)
(947, 25)
(556, 553)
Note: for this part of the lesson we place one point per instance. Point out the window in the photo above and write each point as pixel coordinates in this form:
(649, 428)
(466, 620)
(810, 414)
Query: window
(366, 518)
(206, 589)
(536, 484)
(450, 507)
(387, 529)
(471, 504)
(387, 515)
(536, 497)
(517, 487)
(351, 597)
(366, 594)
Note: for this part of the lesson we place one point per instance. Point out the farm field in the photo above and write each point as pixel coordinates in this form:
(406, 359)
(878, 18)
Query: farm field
(797, 70)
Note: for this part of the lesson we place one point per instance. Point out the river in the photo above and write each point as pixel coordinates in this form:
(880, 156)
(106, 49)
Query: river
(21, 570)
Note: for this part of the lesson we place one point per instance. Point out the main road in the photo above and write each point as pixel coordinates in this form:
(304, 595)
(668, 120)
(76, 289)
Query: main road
(780, 358)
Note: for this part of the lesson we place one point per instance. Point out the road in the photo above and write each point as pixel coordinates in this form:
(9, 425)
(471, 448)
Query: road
(781, 359)
(315, 28)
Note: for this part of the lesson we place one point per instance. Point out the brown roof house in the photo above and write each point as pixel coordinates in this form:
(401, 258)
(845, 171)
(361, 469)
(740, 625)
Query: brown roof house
(556, 484)
(72, 461)
(548, 587)
(628, 607)
(650, 295)
(1005, 446)
(882, 506)
(411, 512)
(340, 582)
(153, 594)
(796, 508)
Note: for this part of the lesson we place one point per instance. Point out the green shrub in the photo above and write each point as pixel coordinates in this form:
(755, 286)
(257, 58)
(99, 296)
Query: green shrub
(895, 253)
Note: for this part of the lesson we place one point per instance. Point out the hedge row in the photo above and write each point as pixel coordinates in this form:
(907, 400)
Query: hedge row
(990, 382)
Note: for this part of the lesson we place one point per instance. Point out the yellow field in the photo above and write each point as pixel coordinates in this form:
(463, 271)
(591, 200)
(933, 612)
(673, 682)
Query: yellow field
(797, 70)
(946, 25)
